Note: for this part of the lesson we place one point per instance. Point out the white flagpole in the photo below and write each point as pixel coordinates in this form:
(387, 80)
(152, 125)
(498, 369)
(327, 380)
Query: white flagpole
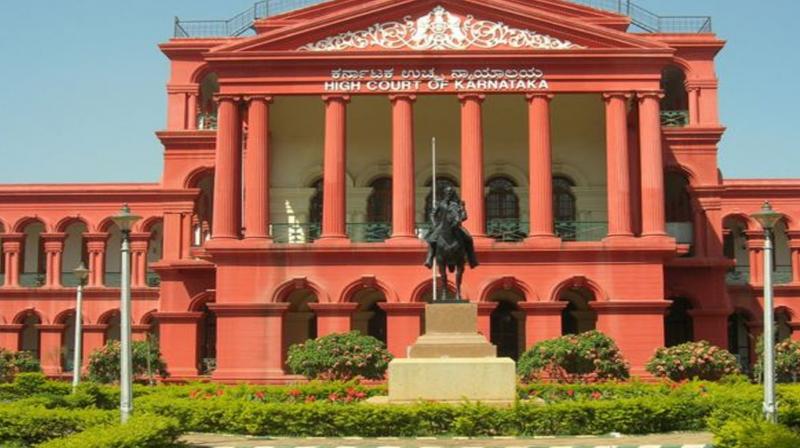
(433, 207)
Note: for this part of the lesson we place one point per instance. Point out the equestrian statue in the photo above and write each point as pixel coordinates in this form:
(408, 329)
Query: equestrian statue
(449, 244)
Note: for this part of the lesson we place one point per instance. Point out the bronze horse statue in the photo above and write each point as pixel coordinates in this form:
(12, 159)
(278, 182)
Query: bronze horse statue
(449, 243)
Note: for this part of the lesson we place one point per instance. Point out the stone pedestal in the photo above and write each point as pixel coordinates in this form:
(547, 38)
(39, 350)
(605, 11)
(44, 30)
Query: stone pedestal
(451, 362)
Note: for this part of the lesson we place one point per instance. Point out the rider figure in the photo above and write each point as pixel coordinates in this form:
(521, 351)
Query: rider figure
(450, 203)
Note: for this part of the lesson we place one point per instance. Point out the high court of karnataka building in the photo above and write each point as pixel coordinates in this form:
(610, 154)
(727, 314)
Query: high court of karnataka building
(297, 182)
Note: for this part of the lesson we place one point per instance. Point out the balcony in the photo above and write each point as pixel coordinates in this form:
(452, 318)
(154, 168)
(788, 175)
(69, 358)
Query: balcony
(740, 275)
(207, 122)
(31, 280)
(782, 275)
(674, 118)
(295, 233)
(68, 280)
(683, 232)
(513, 231)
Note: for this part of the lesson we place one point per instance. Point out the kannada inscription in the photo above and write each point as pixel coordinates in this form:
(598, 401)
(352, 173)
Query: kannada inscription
(416, 80)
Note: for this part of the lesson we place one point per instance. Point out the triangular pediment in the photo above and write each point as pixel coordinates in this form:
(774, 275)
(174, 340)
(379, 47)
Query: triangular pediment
(439, 25)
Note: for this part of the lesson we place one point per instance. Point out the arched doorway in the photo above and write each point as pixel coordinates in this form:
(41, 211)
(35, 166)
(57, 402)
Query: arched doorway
(74, 253)
(675, 104)
(113, 330)
(370, 318)
(678, 325)
(67, 341)
(783, 329)
(379, 211)
(678, 207)
(507, 323)
(735, 248)
(29, 337)
(33, 258)
(299, 323)
(155, 251)
(207, 340)
(578, 317)
(740, 339)
(207, 106)
(113, 270)
(203, 207)
(565, 210)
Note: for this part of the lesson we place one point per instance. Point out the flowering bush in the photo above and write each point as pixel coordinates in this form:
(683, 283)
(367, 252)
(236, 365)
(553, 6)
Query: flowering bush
(586, 357)
(787, 360)
(699, 360)
(12, 363)
(147, 361)
(339, 357)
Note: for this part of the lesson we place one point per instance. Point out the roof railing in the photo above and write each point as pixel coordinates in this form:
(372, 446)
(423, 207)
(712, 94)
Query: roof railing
(642, 19)
(240, 23)
(649, 22)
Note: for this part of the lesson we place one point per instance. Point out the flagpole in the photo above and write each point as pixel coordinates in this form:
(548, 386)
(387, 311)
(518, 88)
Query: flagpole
(433, 207)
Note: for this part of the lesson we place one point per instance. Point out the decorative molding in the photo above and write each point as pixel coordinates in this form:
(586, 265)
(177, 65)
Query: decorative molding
(440, 30)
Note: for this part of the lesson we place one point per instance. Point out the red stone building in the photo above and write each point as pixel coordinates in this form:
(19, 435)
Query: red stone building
(297, 176)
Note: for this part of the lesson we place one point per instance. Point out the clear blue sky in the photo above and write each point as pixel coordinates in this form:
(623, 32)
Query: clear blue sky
(82, 85)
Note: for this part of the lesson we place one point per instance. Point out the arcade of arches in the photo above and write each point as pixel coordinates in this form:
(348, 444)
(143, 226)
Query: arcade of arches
(292, 206)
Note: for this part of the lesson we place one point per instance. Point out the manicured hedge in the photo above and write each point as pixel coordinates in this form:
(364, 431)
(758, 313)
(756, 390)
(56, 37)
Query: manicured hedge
(631, 416)
(29, 425)
(755, 432)
(144, 431)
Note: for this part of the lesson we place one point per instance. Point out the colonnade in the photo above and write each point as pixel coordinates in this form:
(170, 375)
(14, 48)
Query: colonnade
(14, 243)
(228, 182)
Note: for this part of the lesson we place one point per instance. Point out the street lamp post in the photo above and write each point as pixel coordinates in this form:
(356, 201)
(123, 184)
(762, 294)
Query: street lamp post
(125, 220)
(768, 217)
(80, 273)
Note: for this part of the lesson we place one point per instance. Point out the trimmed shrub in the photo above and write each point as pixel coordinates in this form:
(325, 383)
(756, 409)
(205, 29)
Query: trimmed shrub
(141, 431)
(586, 357)
(630, 416)
(29, 425)
(12, 363)
(755, 432)
(693, 360)
(787, 360)
(340, 357)
(147, 362)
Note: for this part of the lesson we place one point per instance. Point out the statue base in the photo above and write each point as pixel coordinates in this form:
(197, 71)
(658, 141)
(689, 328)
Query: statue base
(452, 362)
(453, 380)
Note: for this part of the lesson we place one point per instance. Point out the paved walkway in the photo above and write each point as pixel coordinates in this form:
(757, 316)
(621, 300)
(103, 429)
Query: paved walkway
(675, 440)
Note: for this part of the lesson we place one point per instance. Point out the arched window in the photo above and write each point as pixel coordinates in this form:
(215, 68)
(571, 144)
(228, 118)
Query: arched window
(564, 209)
(679, 202)
(502, 210)
(207, 106)
(379, 203)
(501, 200)
(441, 184)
